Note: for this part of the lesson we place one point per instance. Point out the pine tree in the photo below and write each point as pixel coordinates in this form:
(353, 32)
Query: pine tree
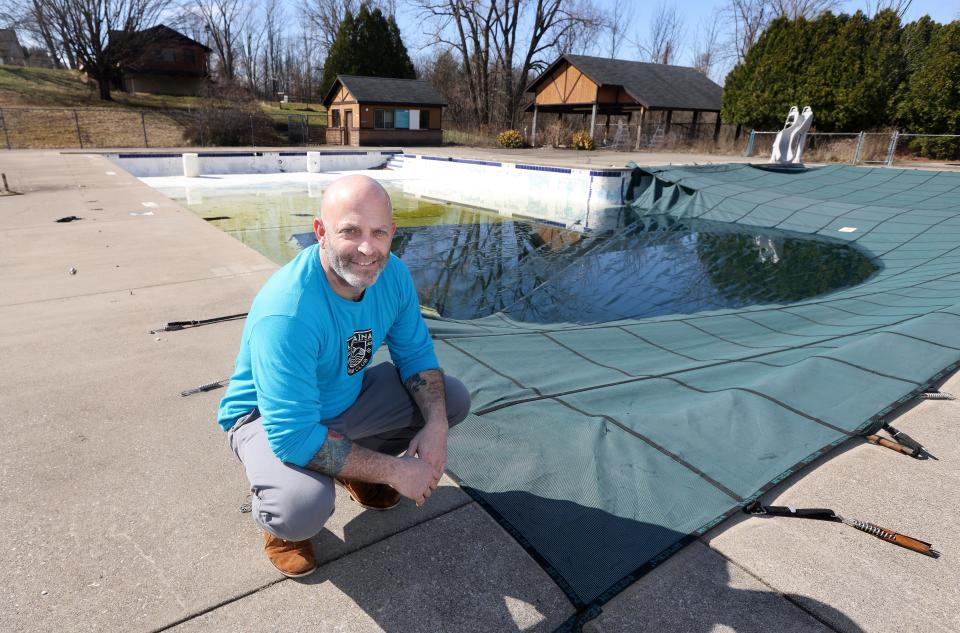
(369, 45)
(930, 101)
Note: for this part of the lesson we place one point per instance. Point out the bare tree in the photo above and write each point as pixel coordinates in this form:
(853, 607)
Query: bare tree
(665, 37)
(809, 9)
(747, 19)
(101, 34)
(897, 6)
(224, 21)
(707, 45)
(617, 23)
(40, 22)
(324, 16)
(501, 42)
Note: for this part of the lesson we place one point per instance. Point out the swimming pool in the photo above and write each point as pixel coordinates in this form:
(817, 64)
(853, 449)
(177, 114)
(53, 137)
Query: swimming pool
(605, 264)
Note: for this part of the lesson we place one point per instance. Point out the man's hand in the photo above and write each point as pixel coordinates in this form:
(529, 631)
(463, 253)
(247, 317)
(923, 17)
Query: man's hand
(416, 479)
(430, 445)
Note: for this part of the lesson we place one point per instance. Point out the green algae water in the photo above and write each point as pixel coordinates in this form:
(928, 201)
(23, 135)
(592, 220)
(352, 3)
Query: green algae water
(617, 263)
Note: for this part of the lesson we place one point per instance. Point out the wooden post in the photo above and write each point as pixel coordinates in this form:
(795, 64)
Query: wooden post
(533, 132)
(666, 127)
(3, 121)
(693, 124)
(143, 124)
(606, 128)
(593, 118)
(643, 115)
(716, 130)
(76, 119)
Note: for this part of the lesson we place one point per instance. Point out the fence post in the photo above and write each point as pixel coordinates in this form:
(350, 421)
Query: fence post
(892, 149)
(3, 121)
(856, 154)
(753, 135)
(76, 119)
(143, 124)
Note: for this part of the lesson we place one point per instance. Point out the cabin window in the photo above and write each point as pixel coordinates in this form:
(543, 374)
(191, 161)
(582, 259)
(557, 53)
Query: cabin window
(424, 119)
(383, 119)
(189, 56)
(335, 114)
(169, 55)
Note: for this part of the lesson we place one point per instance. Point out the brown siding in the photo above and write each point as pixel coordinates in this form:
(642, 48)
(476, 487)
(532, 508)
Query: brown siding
(566, 85)
(613, 94)
(164, 85)
(401, 137)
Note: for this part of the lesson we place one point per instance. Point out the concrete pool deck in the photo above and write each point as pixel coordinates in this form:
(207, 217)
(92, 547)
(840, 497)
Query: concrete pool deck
(122, 497)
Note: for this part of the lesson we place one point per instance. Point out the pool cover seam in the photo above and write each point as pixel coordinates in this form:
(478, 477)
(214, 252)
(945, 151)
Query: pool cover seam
(716, 484)
(503, 405)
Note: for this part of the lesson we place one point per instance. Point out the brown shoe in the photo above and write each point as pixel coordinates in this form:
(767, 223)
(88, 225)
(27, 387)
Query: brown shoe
(292, 558)
(371, 496)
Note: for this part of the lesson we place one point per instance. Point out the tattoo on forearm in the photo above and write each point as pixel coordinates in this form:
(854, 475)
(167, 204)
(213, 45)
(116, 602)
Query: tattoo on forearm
(415, 383)
(332, 454)
(426, 387)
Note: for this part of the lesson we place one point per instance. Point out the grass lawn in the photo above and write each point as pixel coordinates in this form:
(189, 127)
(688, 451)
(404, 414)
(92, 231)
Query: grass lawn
(45, 107)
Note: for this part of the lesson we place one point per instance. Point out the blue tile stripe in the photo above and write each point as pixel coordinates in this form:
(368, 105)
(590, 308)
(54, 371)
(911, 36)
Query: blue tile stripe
(558, 170)
(472, 161)
(293, 153)
(441, 158)
(409, 155)
(607, 174)
(391, 151)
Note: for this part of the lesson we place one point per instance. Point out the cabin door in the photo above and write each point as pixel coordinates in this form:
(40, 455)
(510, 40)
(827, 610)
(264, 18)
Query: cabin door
(347, 125)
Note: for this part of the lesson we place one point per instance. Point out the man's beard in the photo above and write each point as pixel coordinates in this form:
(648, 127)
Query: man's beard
(340, 265)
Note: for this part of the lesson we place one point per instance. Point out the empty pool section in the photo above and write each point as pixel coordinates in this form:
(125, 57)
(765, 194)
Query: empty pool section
(157, 164)
(562, 194)
(604, 447)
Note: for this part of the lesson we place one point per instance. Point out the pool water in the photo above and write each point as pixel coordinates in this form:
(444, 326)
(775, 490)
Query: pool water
(469, 263)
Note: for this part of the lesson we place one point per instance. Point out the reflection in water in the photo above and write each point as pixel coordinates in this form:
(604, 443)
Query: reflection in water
(469, 263)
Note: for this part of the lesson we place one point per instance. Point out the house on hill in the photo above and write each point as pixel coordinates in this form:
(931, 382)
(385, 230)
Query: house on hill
(11, 53)
(383, 111)
(578, 84)
(163, 61)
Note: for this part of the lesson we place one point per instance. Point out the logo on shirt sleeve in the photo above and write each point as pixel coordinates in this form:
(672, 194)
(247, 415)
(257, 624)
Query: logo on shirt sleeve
(359, 351)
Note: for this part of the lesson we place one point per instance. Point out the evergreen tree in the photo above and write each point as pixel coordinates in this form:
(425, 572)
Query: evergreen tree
(848, 68)
(368, 45)
(930, 100)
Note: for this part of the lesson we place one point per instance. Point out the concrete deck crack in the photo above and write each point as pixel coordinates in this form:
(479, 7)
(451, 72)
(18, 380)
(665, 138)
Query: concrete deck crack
(763, 582)
(245, 594)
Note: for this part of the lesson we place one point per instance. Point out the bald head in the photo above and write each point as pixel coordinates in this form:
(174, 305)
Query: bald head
(354, 231)
(355, 193)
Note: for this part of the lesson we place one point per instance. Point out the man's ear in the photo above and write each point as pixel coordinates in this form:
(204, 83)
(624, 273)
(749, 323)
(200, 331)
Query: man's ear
(318, 228)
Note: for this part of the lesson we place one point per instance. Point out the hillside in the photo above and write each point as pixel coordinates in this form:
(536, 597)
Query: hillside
(61, 108)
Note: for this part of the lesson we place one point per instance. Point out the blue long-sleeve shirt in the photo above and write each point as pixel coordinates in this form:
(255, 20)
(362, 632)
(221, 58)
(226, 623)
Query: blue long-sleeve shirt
(304, 349)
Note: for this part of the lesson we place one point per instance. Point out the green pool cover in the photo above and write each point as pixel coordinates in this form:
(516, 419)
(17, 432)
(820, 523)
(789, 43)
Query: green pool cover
(604, 448)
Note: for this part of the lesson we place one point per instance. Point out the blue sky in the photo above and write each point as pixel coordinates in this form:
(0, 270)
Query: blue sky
(693, 13)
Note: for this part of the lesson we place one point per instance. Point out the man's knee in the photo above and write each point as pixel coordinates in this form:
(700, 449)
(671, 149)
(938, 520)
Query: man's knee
(458, 400)
(294, 514)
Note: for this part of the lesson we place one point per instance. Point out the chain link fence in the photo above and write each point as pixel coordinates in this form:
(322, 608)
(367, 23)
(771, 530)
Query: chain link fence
(88, 128)
(868, 148)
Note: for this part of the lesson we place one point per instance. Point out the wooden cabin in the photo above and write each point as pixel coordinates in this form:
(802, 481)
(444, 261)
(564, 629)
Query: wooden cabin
(578, 84)
(163, 61)
(383, 111)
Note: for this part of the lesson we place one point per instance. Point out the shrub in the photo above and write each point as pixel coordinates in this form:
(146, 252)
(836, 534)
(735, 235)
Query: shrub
(510, 139)
(582, 140)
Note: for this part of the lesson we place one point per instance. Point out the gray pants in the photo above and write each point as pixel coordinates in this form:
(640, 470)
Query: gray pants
(293, 503)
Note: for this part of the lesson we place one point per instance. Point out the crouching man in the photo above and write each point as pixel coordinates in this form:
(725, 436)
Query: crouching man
(303, 410)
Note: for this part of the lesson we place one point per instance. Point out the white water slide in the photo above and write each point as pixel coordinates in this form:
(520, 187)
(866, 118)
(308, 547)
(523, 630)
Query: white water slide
(788, 146)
